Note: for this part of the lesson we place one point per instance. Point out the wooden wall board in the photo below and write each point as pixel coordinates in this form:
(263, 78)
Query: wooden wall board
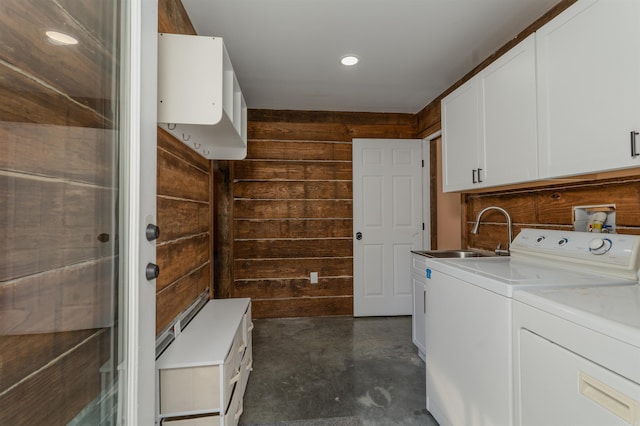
(293, 248)
(296, 150)
(286, 209)
(551, 207)
(284, 190)
(181, 218)
(292, 268)
(181, 257)
(292, 170)
(292, 228)
(183, 252)
(173, 18)
(179, 179)
(175, 298)
(291, 288)
(302, 307)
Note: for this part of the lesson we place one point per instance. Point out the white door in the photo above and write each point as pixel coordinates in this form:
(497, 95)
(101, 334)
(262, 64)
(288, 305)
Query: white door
(387, 224)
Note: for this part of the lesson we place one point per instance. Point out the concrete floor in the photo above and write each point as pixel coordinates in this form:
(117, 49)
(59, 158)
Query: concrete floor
(345, 370)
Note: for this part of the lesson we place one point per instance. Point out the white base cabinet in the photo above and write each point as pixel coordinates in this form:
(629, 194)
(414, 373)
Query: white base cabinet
(203, 374)
(419, 283)
(588, 61)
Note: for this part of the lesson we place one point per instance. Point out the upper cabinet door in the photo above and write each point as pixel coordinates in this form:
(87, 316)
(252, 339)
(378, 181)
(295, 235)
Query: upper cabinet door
(461, 133)
(510, 117)
(588, 62)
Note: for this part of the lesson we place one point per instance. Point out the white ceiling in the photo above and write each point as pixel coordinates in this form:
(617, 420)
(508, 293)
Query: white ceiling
(286, 52)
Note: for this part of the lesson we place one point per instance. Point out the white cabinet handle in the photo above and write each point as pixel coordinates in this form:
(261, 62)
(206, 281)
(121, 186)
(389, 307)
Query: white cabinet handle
(242, 348)
(249, 366)
(607, 397)
(250, 327)
(240, 411)
(235, 378)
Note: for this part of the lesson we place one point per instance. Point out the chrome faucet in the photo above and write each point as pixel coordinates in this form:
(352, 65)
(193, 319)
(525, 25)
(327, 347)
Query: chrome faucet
(506, 214)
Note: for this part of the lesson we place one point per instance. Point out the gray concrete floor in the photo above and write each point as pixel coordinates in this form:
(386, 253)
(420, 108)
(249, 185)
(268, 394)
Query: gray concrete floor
(336, 367)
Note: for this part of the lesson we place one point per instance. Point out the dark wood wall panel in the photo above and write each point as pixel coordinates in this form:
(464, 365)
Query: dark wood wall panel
(184, 252)
(293, 150)
(175, 298)
(291, 213)
(551, 207)
(184, 206)
(292, 228)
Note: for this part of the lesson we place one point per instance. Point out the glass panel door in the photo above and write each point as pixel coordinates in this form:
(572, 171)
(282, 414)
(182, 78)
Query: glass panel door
(62, 208)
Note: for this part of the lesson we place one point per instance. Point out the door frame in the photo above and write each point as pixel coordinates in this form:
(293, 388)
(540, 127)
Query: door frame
(140, 125)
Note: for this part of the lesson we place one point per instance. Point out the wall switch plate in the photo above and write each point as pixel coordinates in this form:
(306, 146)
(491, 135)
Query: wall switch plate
(314, 278)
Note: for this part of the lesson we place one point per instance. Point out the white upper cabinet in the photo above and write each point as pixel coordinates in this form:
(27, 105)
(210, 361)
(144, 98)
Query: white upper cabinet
(510, 118)
(588, 61)
(199, 98)
(489, 124)
(461, 132)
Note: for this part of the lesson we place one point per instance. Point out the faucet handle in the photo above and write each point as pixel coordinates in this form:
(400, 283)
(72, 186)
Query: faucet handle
(501, 252)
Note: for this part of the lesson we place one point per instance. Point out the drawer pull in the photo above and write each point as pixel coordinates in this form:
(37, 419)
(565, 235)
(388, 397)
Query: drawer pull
(607, 397)
(250, 327)
(634, 152)
(240, 411)
(235, 378)
(249, 366)
(242, 348)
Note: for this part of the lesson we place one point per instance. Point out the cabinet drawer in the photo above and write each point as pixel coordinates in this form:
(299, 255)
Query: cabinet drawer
(418, 264)
(197, 421)
(186, 390)
(235, 409)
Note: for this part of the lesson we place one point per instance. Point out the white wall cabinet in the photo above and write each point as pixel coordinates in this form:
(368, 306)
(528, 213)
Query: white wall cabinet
(490, 126)
(588, 61)
(204, 372)
(199, 98)
(419, 282)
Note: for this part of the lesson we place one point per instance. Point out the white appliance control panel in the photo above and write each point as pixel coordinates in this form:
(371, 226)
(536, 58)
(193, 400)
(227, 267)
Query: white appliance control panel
(616, 254)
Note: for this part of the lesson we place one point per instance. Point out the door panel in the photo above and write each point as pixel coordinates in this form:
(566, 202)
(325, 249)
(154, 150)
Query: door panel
(387, 203)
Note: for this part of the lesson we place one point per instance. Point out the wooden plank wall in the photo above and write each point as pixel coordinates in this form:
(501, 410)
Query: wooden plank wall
(184, 194)
(291, 210)
(550, 207)
(57, 209)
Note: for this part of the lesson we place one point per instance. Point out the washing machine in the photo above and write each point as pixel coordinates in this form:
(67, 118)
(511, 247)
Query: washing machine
(469, 315)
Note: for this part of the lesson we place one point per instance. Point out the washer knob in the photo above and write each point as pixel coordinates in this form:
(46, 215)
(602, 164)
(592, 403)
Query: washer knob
(599, 245)
(563, 241)
(596, 243)
(540, 239)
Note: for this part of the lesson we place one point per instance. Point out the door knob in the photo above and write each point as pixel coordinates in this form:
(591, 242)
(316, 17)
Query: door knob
(358, 236)
(152, 232)
(152, 271)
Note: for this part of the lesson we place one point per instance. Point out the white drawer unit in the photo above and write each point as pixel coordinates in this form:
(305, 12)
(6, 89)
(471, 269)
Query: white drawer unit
(202, 376)
(419, 283)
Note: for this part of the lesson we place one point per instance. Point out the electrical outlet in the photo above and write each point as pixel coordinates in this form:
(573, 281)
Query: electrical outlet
(314, 278)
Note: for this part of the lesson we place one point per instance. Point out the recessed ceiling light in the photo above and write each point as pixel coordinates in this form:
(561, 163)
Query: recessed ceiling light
(349, 60)
(60, 38)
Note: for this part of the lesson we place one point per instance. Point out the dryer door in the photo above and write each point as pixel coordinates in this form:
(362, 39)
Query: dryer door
(559, 387)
